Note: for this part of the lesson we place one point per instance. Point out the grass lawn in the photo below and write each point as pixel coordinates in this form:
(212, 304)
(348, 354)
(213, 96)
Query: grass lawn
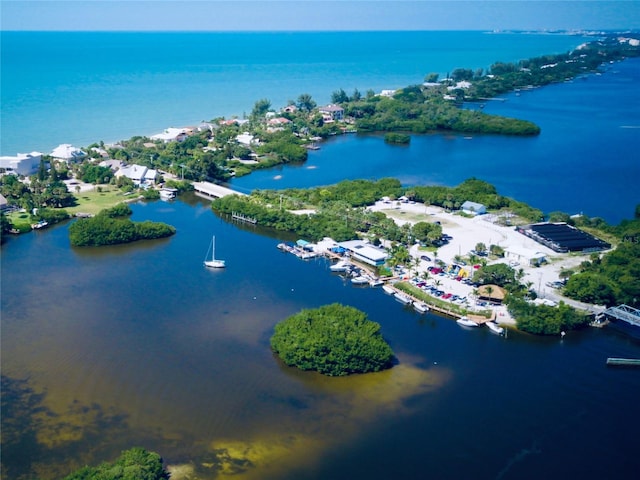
(21, 221)
(94, 201)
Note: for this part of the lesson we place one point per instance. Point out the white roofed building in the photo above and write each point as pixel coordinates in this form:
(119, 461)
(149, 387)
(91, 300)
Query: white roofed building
(67, 153)
(524, 255)
(365, 252)
(172, 135)
(139, 174)
(247, 139)
(332, 112)
(473, 208)
(22, 164)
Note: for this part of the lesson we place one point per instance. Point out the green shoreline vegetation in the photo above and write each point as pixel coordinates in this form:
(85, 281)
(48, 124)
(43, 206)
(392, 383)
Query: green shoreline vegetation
(339, 212)
(111, 227)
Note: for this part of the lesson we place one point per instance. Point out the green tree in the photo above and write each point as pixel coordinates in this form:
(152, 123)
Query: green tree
(431, 78)
(305, 102)
(481, 248)
(134, 464)
(498, 274)
(260, 108)
(334, 340)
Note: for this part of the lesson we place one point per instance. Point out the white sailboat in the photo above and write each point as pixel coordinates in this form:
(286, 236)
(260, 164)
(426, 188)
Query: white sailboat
(213, 263)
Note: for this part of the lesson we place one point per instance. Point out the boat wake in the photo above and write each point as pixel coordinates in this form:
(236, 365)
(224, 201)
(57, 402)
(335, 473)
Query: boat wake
(521, 455)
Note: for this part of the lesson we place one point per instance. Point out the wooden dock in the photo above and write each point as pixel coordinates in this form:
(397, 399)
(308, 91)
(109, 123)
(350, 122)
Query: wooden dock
(623, 362)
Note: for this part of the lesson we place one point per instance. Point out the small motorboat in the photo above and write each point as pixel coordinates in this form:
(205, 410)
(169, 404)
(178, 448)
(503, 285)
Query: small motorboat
(466, 322)
(495, 328)
(388, 289)
(402, 298)
(421, 307)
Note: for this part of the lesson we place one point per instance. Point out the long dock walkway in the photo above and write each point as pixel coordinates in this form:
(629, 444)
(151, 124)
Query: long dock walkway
(213, 190)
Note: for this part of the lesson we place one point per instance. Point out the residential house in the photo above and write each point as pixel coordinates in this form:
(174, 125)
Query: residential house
(139, 174)
(22, 164)
(332, 112)
(67, 153)
(172, 135)
(473, 208)
(247, 139)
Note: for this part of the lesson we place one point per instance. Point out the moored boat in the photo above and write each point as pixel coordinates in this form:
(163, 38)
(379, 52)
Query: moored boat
(388, 289)
(466, 322)
(359, 280)
(402, 298)
(340, 266)
(495, 328)
(421, 307)
(214, 262)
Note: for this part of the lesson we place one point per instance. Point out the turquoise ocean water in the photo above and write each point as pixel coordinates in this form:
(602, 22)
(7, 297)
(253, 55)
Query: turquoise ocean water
(81, 88)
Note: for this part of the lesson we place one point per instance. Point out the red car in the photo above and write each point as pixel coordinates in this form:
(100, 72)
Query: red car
(446, 296)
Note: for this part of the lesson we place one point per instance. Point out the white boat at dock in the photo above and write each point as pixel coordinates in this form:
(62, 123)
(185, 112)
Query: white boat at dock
(375, 282)
(388, 289)
(340, 266)
(402, 298)
(359, 280)
(495, 328)
(421, 307)
(466, 322)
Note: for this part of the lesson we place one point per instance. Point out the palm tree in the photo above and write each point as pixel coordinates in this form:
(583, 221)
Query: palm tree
(489, 290)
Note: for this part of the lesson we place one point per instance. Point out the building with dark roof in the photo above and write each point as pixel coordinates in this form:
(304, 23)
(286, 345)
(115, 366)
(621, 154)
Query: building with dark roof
(562, 238)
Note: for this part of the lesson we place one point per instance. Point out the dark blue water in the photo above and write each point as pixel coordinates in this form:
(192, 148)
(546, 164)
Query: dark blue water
(140, 345)
(585, 160)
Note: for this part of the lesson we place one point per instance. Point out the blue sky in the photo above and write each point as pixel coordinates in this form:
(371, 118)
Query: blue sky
(274, 15)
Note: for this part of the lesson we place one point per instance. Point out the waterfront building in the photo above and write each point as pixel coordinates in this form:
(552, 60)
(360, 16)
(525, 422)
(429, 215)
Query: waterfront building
(332, 112)
(171, 135)
(365, 252)
(139, 174)
(22, 164)
(473, 208)
(67, 153)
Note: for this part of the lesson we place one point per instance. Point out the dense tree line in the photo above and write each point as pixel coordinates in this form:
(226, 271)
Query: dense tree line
(475, 190)
(134, 464)
(539, 71)
(610, 279)
(339, 211)
(112, 226)
(412, 110)
(544, 319)
(334, 340)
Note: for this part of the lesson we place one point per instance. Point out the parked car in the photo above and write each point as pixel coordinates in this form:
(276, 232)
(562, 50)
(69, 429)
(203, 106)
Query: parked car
(425, 258)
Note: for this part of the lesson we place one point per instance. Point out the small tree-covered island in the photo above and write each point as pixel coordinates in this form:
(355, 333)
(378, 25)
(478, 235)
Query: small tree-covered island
(334, 340)
(112, 226)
